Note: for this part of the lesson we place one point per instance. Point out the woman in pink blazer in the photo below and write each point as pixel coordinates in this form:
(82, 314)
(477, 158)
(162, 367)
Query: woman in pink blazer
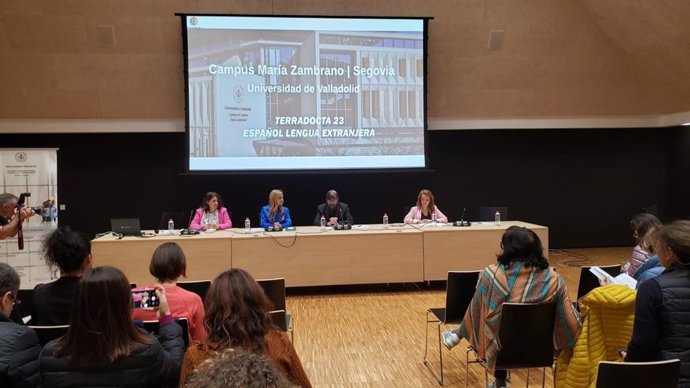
(211, 214)
(421, 213)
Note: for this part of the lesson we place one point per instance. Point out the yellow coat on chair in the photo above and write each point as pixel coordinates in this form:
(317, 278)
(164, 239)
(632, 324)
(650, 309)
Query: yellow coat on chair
(608, 314)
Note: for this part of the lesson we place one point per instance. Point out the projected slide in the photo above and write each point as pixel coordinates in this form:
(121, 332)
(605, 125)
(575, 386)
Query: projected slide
(278, 93)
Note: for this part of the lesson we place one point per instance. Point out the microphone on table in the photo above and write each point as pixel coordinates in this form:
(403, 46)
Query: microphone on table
(462, 221)
(344, 225)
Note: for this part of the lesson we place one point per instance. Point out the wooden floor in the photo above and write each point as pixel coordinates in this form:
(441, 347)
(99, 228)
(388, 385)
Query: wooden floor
(373, 336)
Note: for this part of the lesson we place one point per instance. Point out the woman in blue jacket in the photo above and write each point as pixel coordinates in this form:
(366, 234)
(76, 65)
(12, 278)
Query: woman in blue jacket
(275, 215)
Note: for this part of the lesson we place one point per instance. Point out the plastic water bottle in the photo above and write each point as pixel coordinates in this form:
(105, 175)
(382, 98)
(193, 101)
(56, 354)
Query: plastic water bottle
(385, 220)
(433, 219)
(323, 223)
(247, 225)
(497, 218)
(171, 226)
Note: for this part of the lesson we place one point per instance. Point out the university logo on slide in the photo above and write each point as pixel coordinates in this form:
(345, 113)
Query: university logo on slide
(193, 21)
(238, 94)
(21, 157)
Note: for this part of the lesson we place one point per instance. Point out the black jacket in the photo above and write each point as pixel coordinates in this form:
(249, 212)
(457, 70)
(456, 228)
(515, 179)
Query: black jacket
(342, 211)
(19, 350)
(156, 366)
(53, 301)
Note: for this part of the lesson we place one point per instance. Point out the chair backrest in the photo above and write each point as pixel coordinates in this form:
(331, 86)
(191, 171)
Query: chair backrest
(275, 291)
(199, 287)
(177, 217)
(657, 374)
(154, 327)
(588, 281)
(526, 335)
(279, 319)
(488, 213)
(459, 292)
(26, 306)
(48, 333)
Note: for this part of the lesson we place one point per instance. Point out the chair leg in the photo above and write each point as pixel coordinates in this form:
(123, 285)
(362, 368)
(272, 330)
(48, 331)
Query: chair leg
(439, 378)
(527, 377)
(543, 378)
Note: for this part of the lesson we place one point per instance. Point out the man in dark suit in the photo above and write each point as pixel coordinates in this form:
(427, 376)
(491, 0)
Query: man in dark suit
(333, 211)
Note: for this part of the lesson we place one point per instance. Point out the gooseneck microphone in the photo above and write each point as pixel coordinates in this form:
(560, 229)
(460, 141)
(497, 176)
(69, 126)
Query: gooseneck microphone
(462, 221)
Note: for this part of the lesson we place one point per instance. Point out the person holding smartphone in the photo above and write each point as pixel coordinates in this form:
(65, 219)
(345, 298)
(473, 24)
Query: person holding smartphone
(103, 347)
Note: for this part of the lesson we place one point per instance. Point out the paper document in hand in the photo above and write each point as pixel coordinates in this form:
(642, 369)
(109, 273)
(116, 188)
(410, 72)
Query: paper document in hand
(623, 278)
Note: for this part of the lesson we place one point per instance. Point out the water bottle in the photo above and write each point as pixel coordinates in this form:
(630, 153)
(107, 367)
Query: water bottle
(323, 223)
(171, 226)
(385, 220)
(433, 219)
(247, 225)
(497, 218)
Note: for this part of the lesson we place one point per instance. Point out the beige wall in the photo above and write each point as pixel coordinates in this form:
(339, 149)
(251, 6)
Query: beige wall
(560, 58)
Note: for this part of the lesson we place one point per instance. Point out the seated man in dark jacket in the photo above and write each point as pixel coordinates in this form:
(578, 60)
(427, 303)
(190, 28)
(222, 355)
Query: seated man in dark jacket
(19, 348)
(333, 211)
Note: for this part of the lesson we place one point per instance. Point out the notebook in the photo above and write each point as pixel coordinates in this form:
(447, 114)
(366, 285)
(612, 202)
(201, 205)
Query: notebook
(126, 226)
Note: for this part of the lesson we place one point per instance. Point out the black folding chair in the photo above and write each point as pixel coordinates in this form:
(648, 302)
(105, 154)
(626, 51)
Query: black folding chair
(657, 374)
(275, 291)
(154, 327)
(199, 287)
(526, 336)
(48, 333)
(588, 281)
(459, 292)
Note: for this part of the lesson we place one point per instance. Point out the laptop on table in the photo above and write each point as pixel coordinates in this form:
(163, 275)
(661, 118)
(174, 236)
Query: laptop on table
(126, 226)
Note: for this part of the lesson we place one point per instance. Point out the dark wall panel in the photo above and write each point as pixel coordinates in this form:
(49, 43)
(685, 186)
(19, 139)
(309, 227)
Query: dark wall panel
(583, 184)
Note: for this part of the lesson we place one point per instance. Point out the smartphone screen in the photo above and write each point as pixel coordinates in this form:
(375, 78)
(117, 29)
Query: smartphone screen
(145, 298)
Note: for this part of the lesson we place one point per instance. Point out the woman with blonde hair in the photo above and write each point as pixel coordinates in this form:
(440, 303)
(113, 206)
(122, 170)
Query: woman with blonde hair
(275, 215)
(237, 317)
(425, 209)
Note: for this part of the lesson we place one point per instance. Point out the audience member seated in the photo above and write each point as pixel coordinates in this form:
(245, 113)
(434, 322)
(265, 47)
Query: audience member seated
(70, 252)
(275, 215)
(662, 310)
(103, 348)
(522, 275)
(333, 211)
(237, 368)
(211, 214)
(237, 317)
(19, 348)
(642, 225)
(421, 213)
(167, 265)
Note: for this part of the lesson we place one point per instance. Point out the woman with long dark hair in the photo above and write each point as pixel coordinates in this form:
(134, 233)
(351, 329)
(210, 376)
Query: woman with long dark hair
(103, 348)
(237, 316)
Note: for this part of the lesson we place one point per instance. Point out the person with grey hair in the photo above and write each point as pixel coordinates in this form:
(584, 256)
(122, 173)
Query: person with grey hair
(333, 211)
(9, 219)
(19, 347)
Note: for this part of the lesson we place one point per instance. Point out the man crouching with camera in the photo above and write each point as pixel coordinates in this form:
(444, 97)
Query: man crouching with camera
(10, 216)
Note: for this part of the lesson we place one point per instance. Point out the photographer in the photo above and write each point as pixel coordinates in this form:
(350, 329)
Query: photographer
(9, 219)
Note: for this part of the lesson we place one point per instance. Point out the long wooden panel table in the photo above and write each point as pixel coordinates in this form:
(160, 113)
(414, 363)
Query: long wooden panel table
(310, 257)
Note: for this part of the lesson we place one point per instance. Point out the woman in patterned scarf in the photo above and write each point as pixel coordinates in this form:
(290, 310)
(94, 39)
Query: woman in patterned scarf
(521, 275)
